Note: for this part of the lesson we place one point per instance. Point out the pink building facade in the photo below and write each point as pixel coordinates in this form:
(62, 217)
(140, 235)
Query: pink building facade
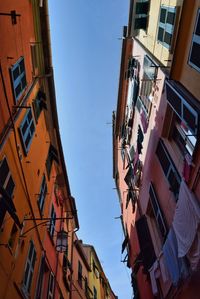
(156, 164)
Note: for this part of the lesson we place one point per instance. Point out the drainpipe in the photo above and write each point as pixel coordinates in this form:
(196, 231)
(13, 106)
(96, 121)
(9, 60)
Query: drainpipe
(72, 255)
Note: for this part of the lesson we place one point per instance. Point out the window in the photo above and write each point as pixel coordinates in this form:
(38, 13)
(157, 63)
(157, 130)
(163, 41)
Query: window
(86, 287)
(43, 193)
(41, 274)
(27, 129)
(18, 76)
(166, 25)
(6, 181)
(34, 58)
(194, 57)
(149, 75)
(39, 104)
(95, 292)
(52, 155)
(52, 222)
(51, 286)
(29, 268)
(184, 124)
(157, 212)
(181, 106)
(146, 246)
(169, 168)
(141, 19)
(80, 274)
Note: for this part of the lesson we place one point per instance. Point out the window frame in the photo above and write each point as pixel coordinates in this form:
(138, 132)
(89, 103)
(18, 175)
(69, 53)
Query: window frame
(52, 224)
(183, 103)
(195, 39)
(95, 292)
(42, 194)
(158, 214)
(171, 170)
(169, 28)
(29, 124)
(51, 282)
(18, 80)
(29, 268)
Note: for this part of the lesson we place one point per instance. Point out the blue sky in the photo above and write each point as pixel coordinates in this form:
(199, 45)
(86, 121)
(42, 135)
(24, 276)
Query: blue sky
(86, 56)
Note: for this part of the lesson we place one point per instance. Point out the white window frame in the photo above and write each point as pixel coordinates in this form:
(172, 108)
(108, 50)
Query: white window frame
(30, 130)
(157, 211)
(43, 193)
(19, 79)
(169, 28)
(29, 268)
(196, 39)
(51, 286)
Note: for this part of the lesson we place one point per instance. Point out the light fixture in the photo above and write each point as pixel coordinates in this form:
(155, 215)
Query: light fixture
(62, 241)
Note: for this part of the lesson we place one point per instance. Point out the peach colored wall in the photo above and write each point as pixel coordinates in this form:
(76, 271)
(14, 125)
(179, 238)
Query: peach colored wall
(181, 70)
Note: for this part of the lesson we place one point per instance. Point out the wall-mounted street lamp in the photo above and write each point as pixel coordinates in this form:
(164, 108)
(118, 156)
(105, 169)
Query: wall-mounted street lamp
(61, 241)
(62, 236)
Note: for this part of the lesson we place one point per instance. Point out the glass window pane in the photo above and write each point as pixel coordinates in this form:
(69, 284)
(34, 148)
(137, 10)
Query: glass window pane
(163, 15)
(197, 31)
(174, 99)
(195, 56)
(142, 7)
(165, 163)
(170, 17)
(160, 34)
(168, 38)
(189, 118)
(24, 127)
(21, 65)
(23, 82)
(18, 90)
(16, 73)
(141, 23)
(27, 141)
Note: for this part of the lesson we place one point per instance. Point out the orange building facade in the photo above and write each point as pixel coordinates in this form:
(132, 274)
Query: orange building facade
(35, 201)
(156, 148)
(40, 254)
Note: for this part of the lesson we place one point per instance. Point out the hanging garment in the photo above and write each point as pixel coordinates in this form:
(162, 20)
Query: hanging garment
(186, 219)
(176, 266)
